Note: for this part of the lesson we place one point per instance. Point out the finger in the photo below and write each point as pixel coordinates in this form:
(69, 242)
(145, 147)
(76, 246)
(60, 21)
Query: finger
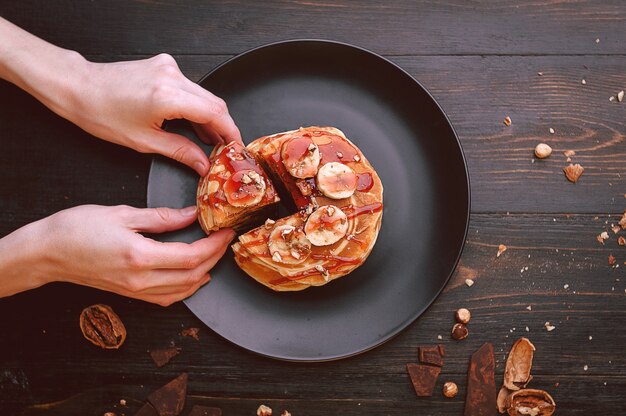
(206, 112)
(170, 298)
(159, 220)
(179, 148)
(208, 136)
(187, 256)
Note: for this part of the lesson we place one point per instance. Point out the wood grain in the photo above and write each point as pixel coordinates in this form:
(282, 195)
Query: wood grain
(566, 254)
(395, 27)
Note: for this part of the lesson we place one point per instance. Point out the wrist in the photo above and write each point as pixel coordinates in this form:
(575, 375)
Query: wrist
(23, 264)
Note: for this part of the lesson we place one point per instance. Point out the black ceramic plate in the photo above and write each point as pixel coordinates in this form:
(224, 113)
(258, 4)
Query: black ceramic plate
(409, 141)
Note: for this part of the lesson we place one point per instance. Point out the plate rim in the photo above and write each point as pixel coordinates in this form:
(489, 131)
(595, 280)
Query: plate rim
(413, 318)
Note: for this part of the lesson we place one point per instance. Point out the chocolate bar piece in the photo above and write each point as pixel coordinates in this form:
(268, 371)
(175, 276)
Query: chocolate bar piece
(431, 355)
(423, 378)
(481, 383)
(169, 400)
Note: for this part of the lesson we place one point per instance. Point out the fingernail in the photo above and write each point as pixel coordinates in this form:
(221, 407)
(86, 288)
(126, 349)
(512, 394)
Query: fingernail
(200, 167)
(189, 211)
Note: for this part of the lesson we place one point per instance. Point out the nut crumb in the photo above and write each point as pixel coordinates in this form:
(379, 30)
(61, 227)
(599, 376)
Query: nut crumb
(277, 257)
(620, 96)
(357, 158)
(612, 98)
(569, 153)
(549, 327)
(590, 337)
(540, 74)
(507, 120)
(585, 367)
(439, 337)
(611, 260)
(622, 221)
(263, 410)
(573, 172)
(551, 130)
(597, 40)
(529, 307)
(615, 229)
(501, 249)
(269, 222)
(123, 402)
(621, 241)
(583, 82)
(285, 413)
(469, 282)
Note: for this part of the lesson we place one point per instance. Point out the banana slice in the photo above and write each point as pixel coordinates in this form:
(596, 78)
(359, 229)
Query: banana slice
(289, 245)
(336, 180)
(301, 157)
(326, 225)
(244, 188)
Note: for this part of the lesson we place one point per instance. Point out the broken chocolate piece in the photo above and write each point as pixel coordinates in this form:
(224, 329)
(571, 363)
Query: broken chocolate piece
(423, 378)
(530, 402)
(205, 411)
(518, 364)
(191, 332)
(164, 355)
(481, 383)
(147, 410)
(169, 400)
(431, 355)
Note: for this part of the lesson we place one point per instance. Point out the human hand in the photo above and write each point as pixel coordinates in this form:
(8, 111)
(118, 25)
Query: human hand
(101, 247)
(127, 102)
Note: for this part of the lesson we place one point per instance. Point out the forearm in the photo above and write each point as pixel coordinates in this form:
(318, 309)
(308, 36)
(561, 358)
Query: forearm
(22, 265)
(51, 74)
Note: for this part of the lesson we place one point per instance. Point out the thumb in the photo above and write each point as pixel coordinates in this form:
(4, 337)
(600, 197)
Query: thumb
(179, 148)
(160, 220)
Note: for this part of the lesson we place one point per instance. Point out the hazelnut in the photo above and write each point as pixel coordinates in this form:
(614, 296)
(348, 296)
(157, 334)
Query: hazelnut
(263, 410)
(459, 332)
(463, 316)
(450, 389)
(542, 151)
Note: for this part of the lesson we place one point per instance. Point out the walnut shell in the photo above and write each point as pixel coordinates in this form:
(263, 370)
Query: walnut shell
(530, 402)
(102, 327)
(518, 364)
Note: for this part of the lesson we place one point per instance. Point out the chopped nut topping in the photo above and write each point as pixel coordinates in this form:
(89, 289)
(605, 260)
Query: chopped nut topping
(245, 179)
(276, 257)
(295, 254)
(549, 327)
(339, 155)
(263, 410)
(323, 271)
(286, 231)
(507, 121)
(573, 172)
(269, 222)
(330, 210)
(501, 249)
(469, 282)
(312, 147)
(357, 158)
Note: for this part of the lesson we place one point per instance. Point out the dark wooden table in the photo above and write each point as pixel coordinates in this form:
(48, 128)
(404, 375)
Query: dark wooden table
(481, 62)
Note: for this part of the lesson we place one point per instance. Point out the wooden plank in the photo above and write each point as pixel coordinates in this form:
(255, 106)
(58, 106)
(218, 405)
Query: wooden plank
(393, 27)
(41, 332)
(503, 174)
(572, 398)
